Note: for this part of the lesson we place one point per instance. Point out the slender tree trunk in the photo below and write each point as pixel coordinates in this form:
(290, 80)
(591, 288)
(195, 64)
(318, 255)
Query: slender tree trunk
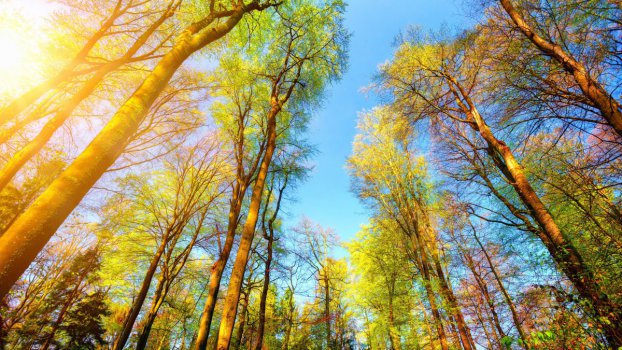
(128, 324)
(168, 275)
(264, 295)
(245, 299)
(447, 292)
(608, 106)
(327, 308)
(245, 304)
(158, 299)
(506, 296)
(268, 233)
(218, 268)
(248, 232)
(21, 242)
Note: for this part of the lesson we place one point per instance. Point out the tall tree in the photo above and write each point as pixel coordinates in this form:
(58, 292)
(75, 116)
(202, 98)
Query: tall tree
(307, 55)
(443, 81)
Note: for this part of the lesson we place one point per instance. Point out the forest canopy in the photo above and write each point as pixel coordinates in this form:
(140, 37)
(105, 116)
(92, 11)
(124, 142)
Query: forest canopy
(154, 155)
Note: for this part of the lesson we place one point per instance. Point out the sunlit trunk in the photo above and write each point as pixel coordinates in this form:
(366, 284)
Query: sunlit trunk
(158, 299)
(15, 163)
(248, 232)
(219, 267)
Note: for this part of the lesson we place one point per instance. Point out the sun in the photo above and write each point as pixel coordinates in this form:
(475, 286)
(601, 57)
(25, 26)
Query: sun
(16, 62)
(14, 53)
(21, 36)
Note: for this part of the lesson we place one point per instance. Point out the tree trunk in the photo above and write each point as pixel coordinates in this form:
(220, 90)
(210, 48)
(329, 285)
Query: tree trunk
(158, 299)
(219, 267)
(248, 232)
(447, 292)
(608, 106)
(168, 275)
(264, 295)
(238, 339)
(506, 296)
(327, 308)
(559, 246)
(128, 325)
(21, 242)
(268, 234)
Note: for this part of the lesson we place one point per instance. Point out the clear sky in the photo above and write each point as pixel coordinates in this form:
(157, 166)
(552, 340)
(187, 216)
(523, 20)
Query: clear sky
(326, 198)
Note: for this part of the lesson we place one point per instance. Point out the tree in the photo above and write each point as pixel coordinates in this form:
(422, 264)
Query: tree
(304, 64)
(172, 218)
(443, 84)
(73, 310)
(400, 195)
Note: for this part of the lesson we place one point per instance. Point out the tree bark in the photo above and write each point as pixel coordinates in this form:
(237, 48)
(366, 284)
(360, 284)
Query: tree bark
(219, 267)
(264, 295)
(268, 233)
(240, 333)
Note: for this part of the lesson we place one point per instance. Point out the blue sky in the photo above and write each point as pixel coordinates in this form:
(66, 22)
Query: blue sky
(325, 198)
